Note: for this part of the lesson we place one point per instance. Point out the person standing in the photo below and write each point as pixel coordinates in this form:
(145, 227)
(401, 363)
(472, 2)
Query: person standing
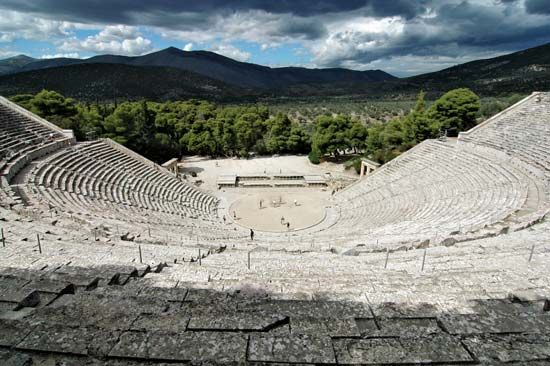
(251, 234)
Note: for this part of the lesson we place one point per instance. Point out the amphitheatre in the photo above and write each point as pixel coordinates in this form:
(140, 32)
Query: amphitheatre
(440, 256)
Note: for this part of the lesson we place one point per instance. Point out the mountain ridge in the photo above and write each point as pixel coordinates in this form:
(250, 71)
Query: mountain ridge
(519, 72)
(213, 65)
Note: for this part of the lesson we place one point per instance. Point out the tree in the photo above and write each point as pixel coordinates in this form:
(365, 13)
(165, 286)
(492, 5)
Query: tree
(298, 141)
(55, 108)
(284, 136)
(357, 136)
(143, 135)
(119, 126)
(331, 134)
(248, 128)
(417, 126)
(455, 111)
(278, 133)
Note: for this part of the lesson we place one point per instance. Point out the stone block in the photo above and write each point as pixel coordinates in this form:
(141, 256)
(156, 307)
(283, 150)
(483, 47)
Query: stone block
(172, 322)
(332, 327)
(420, 350)
(509, 347)
(440, 348)
(291, 349)
(407, 327)
(62, 339)
(13, 331)
(198, 346)
(236, 321)
(483, 323)
(369, 351)
(188, 346)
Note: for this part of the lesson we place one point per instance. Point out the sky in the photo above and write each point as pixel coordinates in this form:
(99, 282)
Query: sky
(402, 37)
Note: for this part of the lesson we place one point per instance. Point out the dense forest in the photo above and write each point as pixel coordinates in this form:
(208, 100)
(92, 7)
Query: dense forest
(161, 131)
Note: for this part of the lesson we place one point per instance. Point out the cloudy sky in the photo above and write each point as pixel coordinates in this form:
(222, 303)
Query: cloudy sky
(403, 37)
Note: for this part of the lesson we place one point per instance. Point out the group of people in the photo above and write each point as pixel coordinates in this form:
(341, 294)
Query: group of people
(287, 223)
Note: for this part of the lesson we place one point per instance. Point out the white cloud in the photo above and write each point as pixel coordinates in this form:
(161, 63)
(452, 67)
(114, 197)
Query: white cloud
(17, 25)
(188, 46)
(8, 53)
(58, 55)
(357, 36)
(7, 37)
(231, 51)
(267, 46)
(115, 39)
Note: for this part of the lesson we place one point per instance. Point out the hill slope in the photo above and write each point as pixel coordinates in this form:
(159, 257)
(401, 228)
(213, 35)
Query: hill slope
(15, 63)
(523, 71)
(109, 81)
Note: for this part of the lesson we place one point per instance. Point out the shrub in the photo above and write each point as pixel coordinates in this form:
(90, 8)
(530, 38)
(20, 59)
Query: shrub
(314, 157)
(354, 163)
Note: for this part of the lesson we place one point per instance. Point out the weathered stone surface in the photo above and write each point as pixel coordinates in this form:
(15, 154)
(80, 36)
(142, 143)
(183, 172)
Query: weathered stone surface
(189, 346)
(47, 285)
(13, 332)
(198, 346)
(10, 284)
(203, 296)
(440, 348)
(483, 323)
(169, 294)
(102, 312)
(304, 308)
(367, 326)
(6, 306)
(131, 345)
(59, 338)
(78, 280)
(12, 290)
(407, 327)
(404, 310)
(294, 349)
(16, 359)
(369, 351)
(236, 321)
(509, 347)
(171, 322)
(333, 327)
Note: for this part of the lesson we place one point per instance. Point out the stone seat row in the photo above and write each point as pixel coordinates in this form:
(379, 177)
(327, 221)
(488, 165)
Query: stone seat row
(444, 271)
(100, 176)
(132, 172)
(520, 131)
(433, 188)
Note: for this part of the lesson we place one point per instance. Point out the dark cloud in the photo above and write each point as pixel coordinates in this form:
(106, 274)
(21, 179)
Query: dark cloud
(309, 29)
(537, 6)
(128, 11)
(455, 31)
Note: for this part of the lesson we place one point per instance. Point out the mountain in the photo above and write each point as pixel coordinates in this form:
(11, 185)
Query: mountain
(520, 72)
(173, 73)
(117, 81)
(212, 65)
(14, 63)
